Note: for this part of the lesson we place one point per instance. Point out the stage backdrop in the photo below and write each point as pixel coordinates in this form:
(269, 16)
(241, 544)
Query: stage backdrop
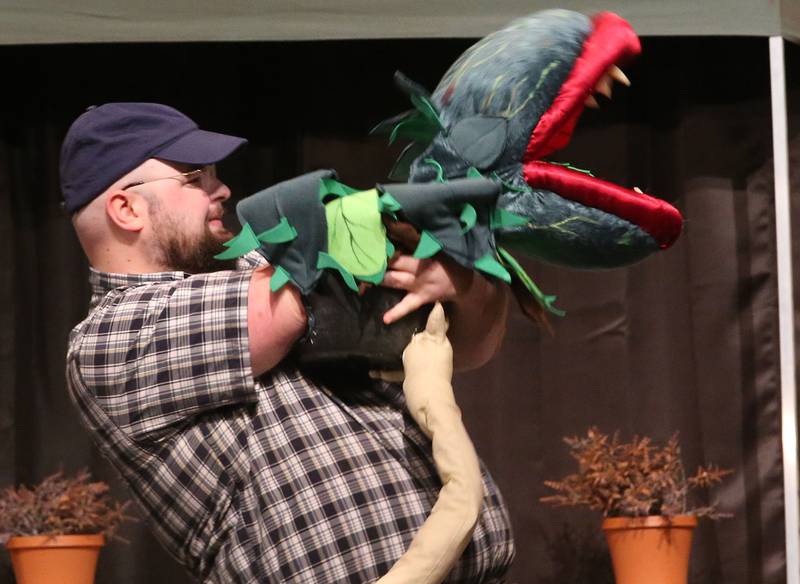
(685, 341)
(87, 21)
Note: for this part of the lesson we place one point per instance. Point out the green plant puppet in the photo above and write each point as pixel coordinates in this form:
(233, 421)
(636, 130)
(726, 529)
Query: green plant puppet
(482, 187)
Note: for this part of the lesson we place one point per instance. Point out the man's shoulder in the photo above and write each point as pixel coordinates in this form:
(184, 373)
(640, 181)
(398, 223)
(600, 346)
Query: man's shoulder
(136, 304)
(121, 304)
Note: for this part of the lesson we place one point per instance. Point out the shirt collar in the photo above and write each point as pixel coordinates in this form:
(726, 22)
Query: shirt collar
(103, 282)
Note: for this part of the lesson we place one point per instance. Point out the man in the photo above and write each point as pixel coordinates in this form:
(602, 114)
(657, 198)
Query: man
(247, 470)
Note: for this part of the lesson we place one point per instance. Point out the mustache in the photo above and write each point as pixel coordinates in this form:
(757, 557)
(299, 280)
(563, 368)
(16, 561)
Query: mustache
(217, 212)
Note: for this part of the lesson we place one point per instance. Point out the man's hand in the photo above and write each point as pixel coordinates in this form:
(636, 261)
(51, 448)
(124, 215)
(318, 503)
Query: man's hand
(479, 306)
(426, 281)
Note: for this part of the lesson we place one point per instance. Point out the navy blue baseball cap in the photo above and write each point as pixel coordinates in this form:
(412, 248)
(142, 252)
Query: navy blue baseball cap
(108, 141)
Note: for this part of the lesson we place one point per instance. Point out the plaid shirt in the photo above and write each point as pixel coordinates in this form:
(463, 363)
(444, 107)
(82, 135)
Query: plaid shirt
(274, 479)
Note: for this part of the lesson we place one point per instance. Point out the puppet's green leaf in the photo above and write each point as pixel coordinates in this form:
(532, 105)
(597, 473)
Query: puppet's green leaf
(575, 168)
(402, 167)
(374, 278)
(468, 217)
(327, 262)
(489, 265)
(417, 127)
(283, 232)
(387, 126)
(420, 125)
(330, 186)
(419, 96)
(473, 172)
(356, 235)
(428, 246)
(243, 243)
(545, 300)
(502, 218)
(388, 204)
(408, 86)
(279, 279)
(426, 108)
(439, 169)
(390, 249)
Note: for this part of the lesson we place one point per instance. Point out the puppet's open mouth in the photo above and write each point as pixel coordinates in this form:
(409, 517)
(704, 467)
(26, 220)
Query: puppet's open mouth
(611, 44)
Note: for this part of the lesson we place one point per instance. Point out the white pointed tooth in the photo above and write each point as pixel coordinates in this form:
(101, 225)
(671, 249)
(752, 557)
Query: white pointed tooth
(591, 102)
(604, 85)
(638, 190)
(617, 75)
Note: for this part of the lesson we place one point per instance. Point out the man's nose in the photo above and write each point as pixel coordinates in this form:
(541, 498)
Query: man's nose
(219, 191)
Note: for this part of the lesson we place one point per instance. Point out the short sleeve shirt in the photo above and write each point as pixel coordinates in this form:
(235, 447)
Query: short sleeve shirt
(243, 479)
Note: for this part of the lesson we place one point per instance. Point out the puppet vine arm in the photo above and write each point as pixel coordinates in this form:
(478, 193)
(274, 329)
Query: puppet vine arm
(428, 365)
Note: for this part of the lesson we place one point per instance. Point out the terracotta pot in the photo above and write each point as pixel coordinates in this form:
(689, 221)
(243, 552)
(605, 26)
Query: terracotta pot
(51, 559)
(651, 550)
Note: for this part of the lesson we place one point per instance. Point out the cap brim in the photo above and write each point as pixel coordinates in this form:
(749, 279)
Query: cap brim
(200, 147)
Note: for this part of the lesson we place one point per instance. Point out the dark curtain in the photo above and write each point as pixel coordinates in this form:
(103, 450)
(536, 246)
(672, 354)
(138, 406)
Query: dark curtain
(685, 341)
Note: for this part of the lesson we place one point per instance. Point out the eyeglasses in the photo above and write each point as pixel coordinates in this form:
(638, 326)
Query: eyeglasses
(189, 177)
(194, 176)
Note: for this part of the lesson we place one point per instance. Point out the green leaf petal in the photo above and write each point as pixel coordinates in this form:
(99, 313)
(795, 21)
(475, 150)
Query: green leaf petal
(428, 246)
(416, 127)
(327, 262)
(489, 265)
(502, 218)
(283, 232)
(356, 235)
(329, 186)
(373, 278)
(279, 279)
(386, 126)
(439, 170)
(388, 204)
(575, 168)
(468, 217)
(402, 167)
(546, 301)
(243, 243)
(428, 111)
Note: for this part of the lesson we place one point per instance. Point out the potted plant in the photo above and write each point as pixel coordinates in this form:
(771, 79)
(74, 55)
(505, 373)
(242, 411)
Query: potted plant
(54, 530)
(643, 493)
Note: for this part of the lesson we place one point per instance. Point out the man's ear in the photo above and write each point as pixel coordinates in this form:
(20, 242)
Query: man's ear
(127, 210)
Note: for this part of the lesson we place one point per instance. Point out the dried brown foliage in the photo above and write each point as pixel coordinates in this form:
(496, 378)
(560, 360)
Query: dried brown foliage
(632, 479)
(60, 505)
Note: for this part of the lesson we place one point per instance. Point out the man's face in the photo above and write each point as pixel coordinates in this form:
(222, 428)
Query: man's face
(186, 216)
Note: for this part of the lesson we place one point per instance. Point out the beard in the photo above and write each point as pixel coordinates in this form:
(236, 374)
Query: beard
(193, 254)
